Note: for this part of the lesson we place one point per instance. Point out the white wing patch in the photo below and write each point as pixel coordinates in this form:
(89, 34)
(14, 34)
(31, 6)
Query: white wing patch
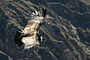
(30, 41)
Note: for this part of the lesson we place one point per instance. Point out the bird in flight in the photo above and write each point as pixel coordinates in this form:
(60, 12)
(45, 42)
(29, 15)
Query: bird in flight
(29, 36)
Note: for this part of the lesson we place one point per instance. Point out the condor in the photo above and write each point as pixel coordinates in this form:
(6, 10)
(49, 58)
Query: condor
(29, 36)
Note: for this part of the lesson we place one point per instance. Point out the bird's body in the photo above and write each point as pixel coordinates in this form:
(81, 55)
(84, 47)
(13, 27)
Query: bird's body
(33, 25)
(29, 36)
(32, 29)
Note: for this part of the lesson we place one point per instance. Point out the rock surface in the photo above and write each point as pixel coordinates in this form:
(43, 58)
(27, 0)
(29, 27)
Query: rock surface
(64, 37)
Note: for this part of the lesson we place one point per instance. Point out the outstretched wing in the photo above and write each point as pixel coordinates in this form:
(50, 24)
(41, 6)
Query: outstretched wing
(18, 38)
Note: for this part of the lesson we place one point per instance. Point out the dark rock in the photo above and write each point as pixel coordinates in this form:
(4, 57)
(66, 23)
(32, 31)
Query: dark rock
(61, 40)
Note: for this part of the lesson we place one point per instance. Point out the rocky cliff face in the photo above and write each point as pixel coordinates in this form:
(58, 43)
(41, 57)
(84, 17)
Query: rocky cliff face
(64, 37)
(72, 10)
